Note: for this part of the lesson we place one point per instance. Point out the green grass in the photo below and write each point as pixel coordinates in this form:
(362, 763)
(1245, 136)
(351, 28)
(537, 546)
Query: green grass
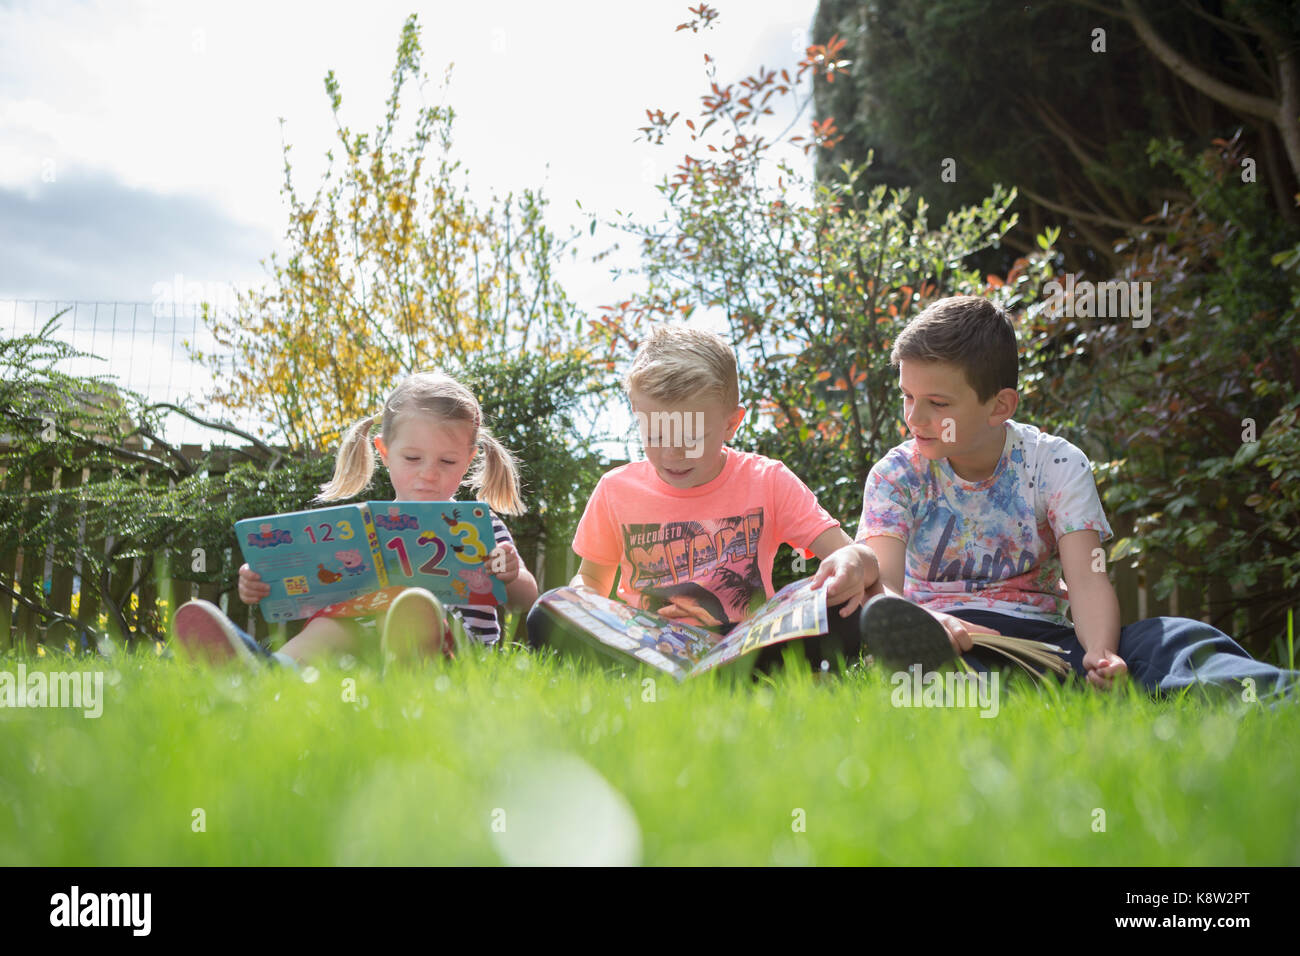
(577, 765)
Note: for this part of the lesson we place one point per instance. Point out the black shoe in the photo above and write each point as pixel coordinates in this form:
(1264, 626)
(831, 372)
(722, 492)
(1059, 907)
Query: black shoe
(898, 633)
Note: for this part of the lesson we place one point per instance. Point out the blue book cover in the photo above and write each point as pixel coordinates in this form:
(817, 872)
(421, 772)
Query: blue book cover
(439, 545)
(312, 559)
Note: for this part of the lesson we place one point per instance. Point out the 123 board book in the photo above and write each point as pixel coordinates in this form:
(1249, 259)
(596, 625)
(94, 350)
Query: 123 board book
(349, 560)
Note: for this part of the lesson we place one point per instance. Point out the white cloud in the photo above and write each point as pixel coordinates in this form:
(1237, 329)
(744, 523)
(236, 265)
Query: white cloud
(160, 120)
(184, 98)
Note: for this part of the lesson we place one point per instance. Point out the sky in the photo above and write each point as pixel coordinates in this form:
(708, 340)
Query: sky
(140, 142)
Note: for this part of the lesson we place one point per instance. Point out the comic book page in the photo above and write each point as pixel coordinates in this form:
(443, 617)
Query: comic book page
(624, 631)
(794, 611)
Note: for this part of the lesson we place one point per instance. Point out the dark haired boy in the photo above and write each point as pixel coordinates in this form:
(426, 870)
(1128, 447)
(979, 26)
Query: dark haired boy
(980, 516)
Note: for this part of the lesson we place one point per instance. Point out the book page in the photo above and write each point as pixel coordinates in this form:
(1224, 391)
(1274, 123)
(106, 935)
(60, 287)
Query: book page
(441, 546)
(310, 559)
(669, 646)
(794, 611)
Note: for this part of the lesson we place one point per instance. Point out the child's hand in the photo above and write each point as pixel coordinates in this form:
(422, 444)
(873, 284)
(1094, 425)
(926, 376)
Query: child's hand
(849, 576)
(682, 608)
(1104, 667)
(503, 563)
(959, 631)
(251, 586)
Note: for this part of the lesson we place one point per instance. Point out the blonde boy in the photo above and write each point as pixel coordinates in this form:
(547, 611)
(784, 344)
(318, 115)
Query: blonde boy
(693, 530)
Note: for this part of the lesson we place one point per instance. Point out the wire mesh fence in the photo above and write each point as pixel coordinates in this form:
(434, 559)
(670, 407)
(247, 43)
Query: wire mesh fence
(145, 347)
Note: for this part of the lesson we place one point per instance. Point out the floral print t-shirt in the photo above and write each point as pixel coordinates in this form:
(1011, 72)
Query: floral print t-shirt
(990, 544)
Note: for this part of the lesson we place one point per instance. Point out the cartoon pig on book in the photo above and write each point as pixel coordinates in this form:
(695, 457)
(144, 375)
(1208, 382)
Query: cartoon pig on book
(352, 562)
(480, 583)
(267, 536)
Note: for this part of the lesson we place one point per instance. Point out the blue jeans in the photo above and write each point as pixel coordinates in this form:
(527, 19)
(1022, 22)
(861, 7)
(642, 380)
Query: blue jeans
(1164, 654)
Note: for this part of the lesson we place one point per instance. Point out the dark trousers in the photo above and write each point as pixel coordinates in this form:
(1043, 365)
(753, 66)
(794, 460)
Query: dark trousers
(1164, 654)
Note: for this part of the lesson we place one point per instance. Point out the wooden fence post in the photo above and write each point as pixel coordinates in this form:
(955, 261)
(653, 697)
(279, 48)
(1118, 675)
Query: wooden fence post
(31, 573)
(91, 602)
(1126, 576)
(8, 577)
(217, 464)
(62, 572)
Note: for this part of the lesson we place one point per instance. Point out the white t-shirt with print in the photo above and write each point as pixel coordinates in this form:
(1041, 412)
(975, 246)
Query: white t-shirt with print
(989, 544)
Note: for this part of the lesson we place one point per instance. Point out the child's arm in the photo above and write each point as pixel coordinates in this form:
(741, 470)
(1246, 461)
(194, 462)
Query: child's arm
(1094, 605)
(890, 553)
(598, 577)
(521, 586)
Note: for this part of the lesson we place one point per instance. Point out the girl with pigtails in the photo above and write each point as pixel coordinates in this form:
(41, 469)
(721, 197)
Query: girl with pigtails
(432, 438)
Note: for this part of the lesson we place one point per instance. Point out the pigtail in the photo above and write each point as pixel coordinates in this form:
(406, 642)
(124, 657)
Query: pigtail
(355, 464)
(495, 478)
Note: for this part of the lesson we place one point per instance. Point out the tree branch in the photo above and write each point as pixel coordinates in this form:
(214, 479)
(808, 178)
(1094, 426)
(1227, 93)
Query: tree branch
(47, 612)
(274, 455)
(117, 450)
(1082, 216)
(1190, 73)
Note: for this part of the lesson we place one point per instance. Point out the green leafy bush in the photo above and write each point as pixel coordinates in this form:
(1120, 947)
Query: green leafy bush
(1195, 415)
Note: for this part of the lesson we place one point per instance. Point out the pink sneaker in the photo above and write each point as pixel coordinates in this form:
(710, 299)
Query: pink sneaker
(209, 637)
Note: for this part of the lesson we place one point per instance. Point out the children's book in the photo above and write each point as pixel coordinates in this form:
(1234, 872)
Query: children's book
(684, 650)
(439, 545)
(351, 559)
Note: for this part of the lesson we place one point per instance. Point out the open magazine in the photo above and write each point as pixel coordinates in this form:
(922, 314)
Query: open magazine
(684, 650)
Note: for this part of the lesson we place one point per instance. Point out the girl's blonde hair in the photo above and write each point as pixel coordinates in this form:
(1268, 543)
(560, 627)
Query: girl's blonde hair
(494, 476)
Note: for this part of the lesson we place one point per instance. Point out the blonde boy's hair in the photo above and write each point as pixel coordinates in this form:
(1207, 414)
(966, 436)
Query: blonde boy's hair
(677, 362)
(494, 476)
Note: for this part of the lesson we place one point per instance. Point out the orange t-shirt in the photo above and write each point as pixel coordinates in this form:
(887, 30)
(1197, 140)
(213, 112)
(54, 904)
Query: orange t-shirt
(708, 549)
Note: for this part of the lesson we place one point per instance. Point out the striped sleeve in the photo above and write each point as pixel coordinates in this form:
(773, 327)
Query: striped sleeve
(481, 622)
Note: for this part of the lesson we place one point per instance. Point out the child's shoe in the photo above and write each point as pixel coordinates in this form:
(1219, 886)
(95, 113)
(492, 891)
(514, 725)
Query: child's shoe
(208, 636)
(899, 633)
(414, 615)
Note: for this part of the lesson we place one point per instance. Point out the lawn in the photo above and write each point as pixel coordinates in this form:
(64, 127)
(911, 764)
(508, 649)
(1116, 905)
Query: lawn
(514, 757)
